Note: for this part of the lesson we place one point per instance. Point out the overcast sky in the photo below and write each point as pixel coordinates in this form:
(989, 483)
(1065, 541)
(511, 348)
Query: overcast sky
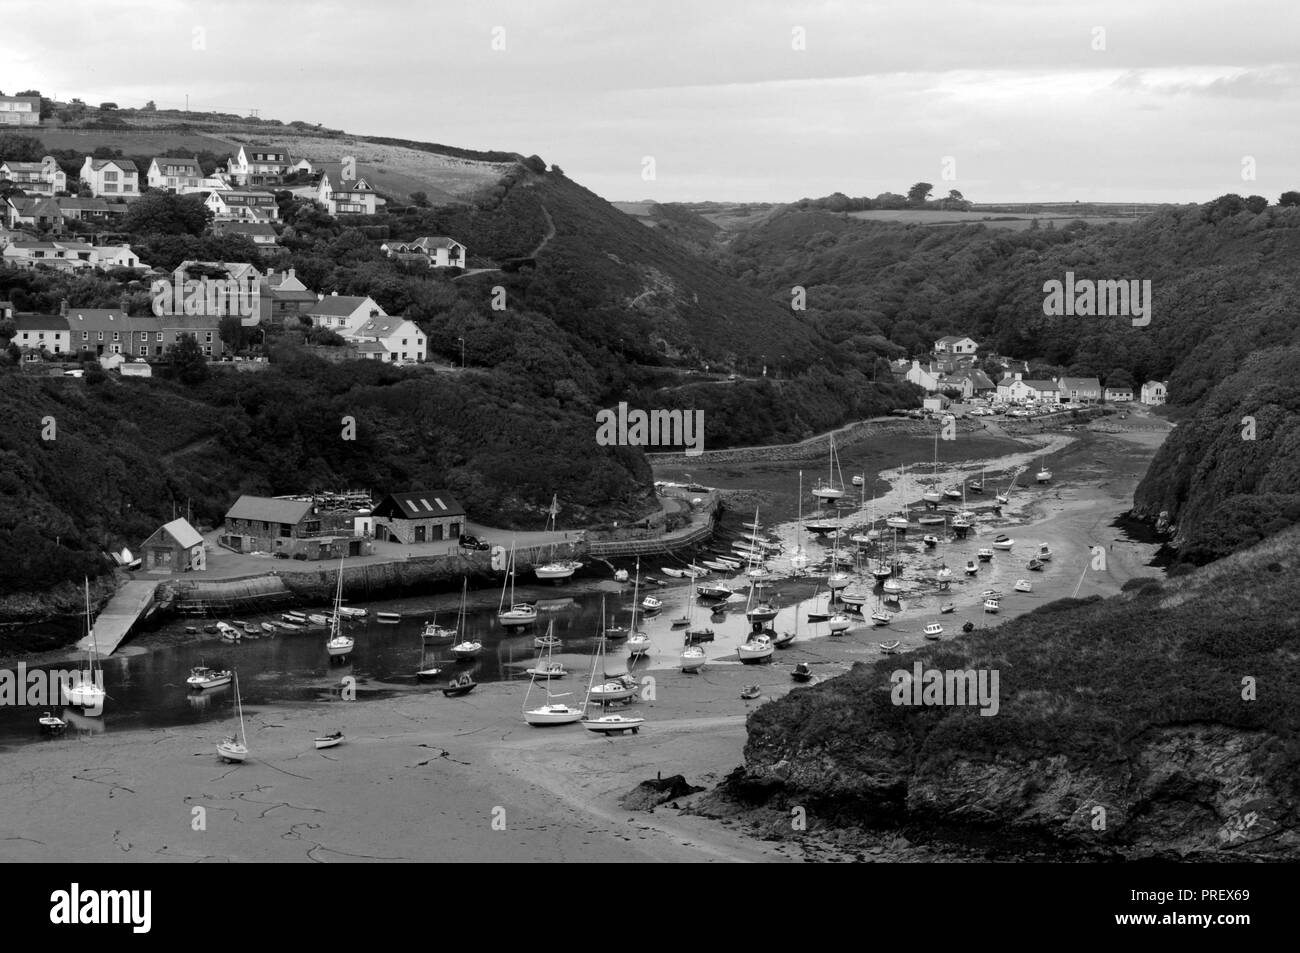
(1032, 101)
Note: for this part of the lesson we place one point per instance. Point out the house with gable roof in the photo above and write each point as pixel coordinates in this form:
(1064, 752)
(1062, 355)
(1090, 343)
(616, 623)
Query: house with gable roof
(35, 178)
(292, 526)
(174, 174)
(401, 339)
(342, 194)
(421, 516)
(111, 178)
(1079, 390)
(258, 165)
(174, 547)
(337, 312)
(956, 346)
(432, 251)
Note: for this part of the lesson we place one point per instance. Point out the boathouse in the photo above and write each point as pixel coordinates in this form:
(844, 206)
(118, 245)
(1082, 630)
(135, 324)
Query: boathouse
(421, 516)
(175, 547)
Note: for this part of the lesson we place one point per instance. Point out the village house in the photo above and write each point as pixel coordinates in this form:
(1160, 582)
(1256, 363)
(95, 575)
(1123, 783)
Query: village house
(33, 211)
(337, 312)
(1119, 394)
(258, 165)
(20, 111)
(98, 330)
(969, 383)
(283, 297)
(174, 547)
(432, 251)
(6, 310)
(242, 205)
(246, 302)
(261, 234)
(70, 256)
(1155, 392)
(926, 378)
(35, 178)
(88, 210)
(150, 335)
(422, 516)
(1079, 390)
(957, 346)
(1021, 391)
(342, 196)
(402, 340)
(112, 178)
(293, 527)
(170, 174)
(35, 333)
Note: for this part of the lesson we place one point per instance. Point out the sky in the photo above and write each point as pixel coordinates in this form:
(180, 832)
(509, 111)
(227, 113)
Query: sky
(1008, 101)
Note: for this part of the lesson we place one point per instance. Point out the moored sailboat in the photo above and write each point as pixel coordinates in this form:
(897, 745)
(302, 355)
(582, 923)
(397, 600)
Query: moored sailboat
(232, 749)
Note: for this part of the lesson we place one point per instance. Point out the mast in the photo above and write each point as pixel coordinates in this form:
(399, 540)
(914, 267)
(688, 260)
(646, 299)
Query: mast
(239, 705)
(636, 596)
(600, 654)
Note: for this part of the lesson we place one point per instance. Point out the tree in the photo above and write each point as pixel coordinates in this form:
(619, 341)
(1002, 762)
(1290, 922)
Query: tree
(187, 359)
(149, 107)
(108, 107)
(15, 147)
(1256, 204)
(1289, 199)
(232, 332)
(955, 196)
(420, 198)
(162, 213)
(1119, 377)
(918, 193)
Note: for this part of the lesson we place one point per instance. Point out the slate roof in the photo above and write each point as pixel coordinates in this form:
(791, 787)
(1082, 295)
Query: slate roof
(420, 504)
(184, 534)
(269, 510)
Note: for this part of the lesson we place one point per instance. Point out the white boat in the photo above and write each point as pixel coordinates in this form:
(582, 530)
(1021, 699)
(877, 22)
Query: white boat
(435, 634)
(84, 689)
(1003, 542)
(51, 723)
(897, 522)
(619, 689)
(930, 540)
(855, 597)
(555, 569)
(553, 712)
(519, 613)
(944, 574)
(317, 619)
(933, 630)
(692, 658)
(638, 644)
(1044, 552)
(651, 604)
(203, 677)
(297, 618)
(386, 617)
(714, 591)
(992, 605)
(672, 573)
(828, 490)
(977, 486)
(349, 612)
(338, 645)
(985, 554)
(547, 670)
(614, 724)
(858, 479)
(228, 633)
(880, 617)
(838, 623)
(620, 575)
(972, 567)
(329, 741)
(1044, 475)
(892, 586)
(467, 649)
(1024, 585)
(233, 749)
(757, 649)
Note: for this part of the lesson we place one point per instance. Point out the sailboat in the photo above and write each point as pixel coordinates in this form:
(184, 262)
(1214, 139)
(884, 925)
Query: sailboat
(435, 634)
(933, 495)
(519, 613)
(468, 647)
(338, 644)
(899, 520)
(233, 750)
(1044, 475)
(828, 490)
(977, 486)
(552, 713)
(799, 559)
(1005, 496)
(638, 643)
(879, 616)
(605, 693)
(836, 579)
(86, 690)
(557, 568)
(961, 523)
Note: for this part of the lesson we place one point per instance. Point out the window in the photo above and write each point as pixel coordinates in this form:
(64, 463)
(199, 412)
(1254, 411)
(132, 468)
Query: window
(85, 335)
(311, 526)
(144, 350)
(110, 176)
(101, 335)
(40, 335)
(110, 188)
(114, 335)
(209, 338)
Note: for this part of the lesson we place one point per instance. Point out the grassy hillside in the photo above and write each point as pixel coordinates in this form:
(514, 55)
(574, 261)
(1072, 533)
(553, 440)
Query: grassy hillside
(1134, 704)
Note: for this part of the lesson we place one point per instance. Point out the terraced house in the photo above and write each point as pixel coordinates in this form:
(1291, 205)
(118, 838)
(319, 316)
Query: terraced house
(42, 332)
(111, 178)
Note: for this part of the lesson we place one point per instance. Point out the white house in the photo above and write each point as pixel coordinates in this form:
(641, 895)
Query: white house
(261, 234)
(111, 178)
(957, 346)
(927, 378)
(402, 339)
(1079, 390)
(342, 196)
(258, 165)
(70, 255)
(242, 205)
(174, 175)
(1155, 392)
(42, 332)
(344, 311)
(1119, 394)
(1018, 389)
(435, 251)
(36, 178)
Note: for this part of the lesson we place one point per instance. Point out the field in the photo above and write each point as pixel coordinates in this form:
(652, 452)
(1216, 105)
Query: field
(1018, 221)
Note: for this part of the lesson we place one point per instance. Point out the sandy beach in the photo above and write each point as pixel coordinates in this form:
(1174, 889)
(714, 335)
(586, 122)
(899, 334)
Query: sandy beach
(426, 778)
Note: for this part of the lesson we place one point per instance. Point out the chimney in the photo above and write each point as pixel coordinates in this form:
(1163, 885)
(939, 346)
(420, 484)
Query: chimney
(63, 308)
(334, 294)
(320, 297)
(1017, 375)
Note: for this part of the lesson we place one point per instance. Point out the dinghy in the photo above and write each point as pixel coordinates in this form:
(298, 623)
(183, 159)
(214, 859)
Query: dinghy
(750, 691)
(1003, 542)
(1024, 585)
(948, 608)
(992, 606)
(889, 648)
(801, 672)
(985, 555)
(462, 684)
(933, 630)
(329, 741)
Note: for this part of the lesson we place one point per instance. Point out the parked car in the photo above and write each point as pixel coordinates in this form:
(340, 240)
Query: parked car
(468, 541)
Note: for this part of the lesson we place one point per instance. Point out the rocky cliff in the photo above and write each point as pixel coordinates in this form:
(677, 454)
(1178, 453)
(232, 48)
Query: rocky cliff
(1160, 723)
